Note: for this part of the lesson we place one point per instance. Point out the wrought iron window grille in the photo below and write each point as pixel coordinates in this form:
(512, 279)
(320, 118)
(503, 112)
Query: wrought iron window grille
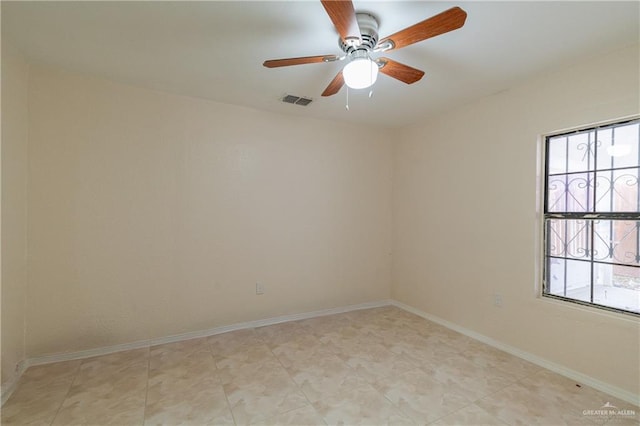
(592, 217)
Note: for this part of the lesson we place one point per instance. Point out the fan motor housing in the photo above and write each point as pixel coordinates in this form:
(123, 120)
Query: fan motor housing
(369, 34)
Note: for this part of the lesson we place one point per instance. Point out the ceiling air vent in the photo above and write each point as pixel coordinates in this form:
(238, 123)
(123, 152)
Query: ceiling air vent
(297, 100)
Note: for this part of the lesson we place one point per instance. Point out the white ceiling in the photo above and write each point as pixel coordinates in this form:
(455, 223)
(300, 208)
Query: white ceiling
(215, 49)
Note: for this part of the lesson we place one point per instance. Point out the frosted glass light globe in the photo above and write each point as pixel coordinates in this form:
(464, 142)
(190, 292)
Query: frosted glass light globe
(360, 73)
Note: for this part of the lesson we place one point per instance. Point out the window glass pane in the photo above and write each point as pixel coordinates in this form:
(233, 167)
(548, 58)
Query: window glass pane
(569, 238)
(556, 193)
(604, 147)
(570, 278)
(617, 191)
(617, 286)
(557, 155)
(581, 147)
(555, 280)
(616, 241)
(618, 146)
(570, 193)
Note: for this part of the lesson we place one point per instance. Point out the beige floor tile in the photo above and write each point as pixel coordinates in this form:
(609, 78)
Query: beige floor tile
(376, 328)
(548, 382)
(392, 334)
(43, 375)
(421, 397)
(128, 410)
(164, 355)
(360, 404)
(102, 408)
(450, 337)
(491, 358)
(34, 407)
(320, 326)
(117, 359)
(262, 395)
(194, 400)
(340, 336)
(186, 366)
(577, 397)
(517, 405)
(277, 334)
(301, 350)
(246, 366)
(320, 377)
(119, 399)
(471, 415)
(304, 416)
(367, 347)
(98, 369)
(40, 394)
(107, 384)
(421, 350)
(475, 381)
(227, 344)
(374, 321)
(376, 370)
(184, 387)
(370, 313)
(374, 366)
(624, 420)
(110, 389)
(408, 321)
(243, 354)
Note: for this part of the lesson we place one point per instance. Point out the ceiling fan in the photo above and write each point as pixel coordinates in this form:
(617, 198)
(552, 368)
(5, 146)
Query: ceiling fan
(359, 39)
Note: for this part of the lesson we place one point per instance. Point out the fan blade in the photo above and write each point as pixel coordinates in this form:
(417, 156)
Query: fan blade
(444, 22)
(335, 85)
(399, 71)
(274, 63)
(343, 16)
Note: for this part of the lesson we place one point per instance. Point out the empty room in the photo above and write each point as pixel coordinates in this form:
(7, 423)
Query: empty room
(320, 213)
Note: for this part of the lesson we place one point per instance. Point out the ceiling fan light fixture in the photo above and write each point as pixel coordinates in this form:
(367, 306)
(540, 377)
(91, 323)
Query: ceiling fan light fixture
(359, 39)
(360, 73)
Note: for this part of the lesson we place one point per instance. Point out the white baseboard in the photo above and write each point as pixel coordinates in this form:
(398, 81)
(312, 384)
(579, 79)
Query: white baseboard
(9, 387)
(622, 394)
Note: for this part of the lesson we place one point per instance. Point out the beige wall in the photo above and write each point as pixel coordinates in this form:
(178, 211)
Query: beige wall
(152, 214)
(14, 208)
(465, 223)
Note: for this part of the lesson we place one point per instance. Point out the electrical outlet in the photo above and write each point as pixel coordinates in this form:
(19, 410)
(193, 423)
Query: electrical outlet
(259, 288)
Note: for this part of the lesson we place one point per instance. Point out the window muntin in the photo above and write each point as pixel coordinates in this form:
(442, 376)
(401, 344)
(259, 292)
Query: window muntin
(592, 216)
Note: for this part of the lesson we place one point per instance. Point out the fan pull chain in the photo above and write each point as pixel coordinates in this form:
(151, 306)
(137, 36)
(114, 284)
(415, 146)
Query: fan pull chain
(371, 83)
(347, 105)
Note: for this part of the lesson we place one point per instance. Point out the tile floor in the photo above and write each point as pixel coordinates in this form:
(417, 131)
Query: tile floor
(376, 366)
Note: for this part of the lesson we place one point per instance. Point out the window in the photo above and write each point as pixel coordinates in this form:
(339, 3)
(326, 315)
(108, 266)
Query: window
(592, 217)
